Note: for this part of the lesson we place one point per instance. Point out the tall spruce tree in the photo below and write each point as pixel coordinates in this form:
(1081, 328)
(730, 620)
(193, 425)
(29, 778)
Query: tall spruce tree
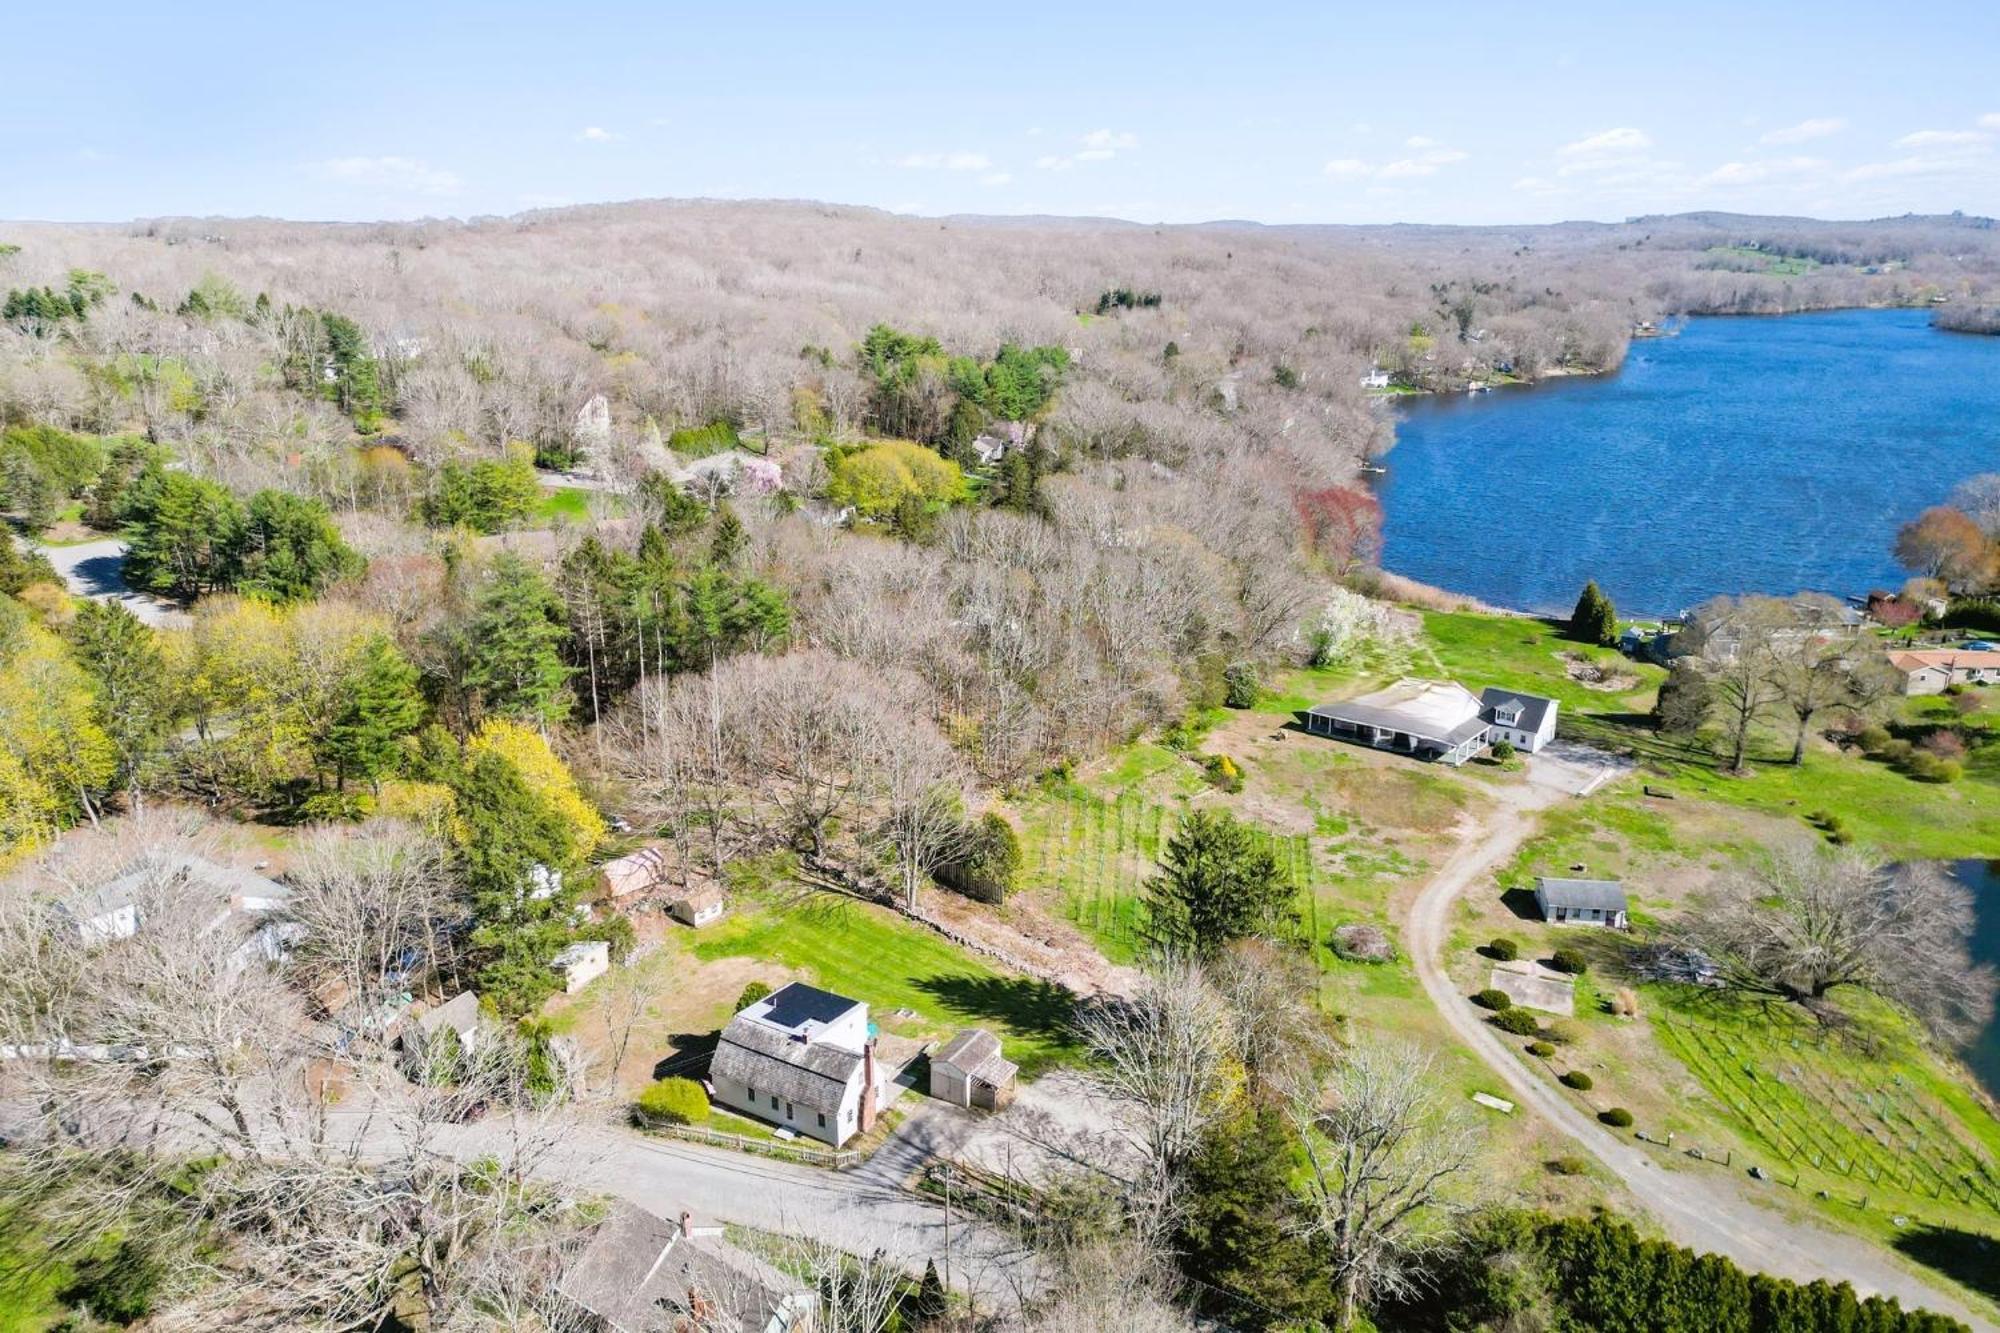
(1218, 882)
(1594, 620)
(128, 675)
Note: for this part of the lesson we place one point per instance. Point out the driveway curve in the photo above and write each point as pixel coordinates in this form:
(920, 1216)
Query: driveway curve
(1696, 1208)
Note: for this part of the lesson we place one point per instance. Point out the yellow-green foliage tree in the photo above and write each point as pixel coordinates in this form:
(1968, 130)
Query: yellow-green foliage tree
(55, 761)
(546, 776)
(876, 477)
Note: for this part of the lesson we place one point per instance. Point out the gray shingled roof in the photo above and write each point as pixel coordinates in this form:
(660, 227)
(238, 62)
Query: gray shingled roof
(637, 1273)
(809, 1073)
(1534, 708)
(1600, 895)
(1392, 720)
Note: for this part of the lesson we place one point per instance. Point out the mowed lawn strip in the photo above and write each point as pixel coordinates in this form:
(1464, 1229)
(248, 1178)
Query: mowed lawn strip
(866, 953)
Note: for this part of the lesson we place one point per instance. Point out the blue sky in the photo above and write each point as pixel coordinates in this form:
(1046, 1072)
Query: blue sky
(1157, 112)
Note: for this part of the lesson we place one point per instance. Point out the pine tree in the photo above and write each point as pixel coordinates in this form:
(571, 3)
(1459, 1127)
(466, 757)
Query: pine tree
(515, 643)
(726, 543)
(1218, 882)
(383, 706)
(1595, 620)
(1235, 1236)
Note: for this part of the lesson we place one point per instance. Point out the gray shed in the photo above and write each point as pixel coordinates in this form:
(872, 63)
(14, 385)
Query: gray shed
(1589, 902)
(969, 1071)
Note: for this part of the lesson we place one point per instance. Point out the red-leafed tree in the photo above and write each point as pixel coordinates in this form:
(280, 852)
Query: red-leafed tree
(1342, 526)
(1944, 543)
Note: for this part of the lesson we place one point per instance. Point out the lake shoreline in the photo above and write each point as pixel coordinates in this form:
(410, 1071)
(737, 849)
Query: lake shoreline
(1691, 471)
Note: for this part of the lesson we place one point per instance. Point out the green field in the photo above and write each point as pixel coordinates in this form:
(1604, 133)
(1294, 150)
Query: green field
(865, 951)
(563, 504)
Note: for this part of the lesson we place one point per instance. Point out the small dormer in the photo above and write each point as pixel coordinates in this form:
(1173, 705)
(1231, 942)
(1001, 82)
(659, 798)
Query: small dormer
(1508, 714)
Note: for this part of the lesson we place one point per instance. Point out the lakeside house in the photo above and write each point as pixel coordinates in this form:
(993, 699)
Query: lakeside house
(640, 1273)
(1932, 671)
(970, 1071)
(1525, 721)
(1593, 902)
(1375, 379)
(1437, 720)
(803, 1059)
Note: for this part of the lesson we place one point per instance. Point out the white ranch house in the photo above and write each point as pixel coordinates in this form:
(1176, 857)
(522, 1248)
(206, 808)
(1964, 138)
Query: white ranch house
(1437, 720)
(1581, 902)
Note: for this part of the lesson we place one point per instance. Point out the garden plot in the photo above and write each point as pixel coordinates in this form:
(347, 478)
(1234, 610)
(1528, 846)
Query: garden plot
(1835, 1110)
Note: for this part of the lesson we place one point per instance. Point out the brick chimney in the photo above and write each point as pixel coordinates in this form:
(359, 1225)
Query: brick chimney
(687, 1224)
(868, 1086)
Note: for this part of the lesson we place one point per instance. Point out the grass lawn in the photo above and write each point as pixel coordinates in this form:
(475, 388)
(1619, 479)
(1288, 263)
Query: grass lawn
(865, 951)
(563, 504)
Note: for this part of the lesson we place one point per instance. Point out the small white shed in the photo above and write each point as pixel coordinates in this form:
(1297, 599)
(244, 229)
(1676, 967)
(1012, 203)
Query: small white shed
(582, 963)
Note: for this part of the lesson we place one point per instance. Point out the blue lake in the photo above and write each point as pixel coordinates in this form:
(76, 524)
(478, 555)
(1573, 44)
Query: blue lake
(1745, 455)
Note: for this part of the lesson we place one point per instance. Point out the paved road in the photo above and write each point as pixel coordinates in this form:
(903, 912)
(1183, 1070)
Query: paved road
(1699, 1206)
(96, 569)
(863, 1210)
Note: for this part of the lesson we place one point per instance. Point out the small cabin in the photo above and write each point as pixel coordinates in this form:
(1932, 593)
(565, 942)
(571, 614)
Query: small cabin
(1581, 902)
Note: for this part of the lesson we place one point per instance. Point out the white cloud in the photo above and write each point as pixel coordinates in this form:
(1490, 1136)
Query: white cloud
(407, 175)
(1942, 139)
(1990, 121)
(1608, 150)
(1419, 141)
(996, 178)
(1539, 185)
(594, 134)
(960, 161)
(1097, 146)
(1805, 131)
(1771, 170)
(1424, 164)
(1608, 143)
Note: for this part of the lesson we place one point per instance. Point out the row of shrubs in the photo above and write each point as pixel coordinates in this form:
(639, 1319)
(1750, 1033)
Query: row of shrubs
(1520, 1022)
(1938, 757)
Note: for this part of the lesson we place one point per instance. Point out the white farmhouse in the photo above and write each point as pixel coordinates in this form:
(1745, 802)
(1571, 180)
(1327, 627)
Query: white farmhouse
(1525, 721)
(802, 1058)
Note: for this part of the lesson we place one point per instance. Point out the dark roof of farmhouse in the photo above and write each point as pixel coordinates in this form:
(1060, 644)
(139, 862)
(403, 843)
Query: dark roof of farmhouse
(1534, 708)
(798, 1004)
(1600, 895)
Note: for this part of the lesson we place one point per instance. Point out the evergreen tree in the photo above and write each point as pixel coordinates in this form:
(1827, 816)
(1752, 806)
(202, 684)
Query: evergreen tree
(184, 536)
(291, 550)
(1235, 1234)
(728, 539)
(514, 641)
(1594, 620)
(930, 1304)
(1218, 882)
(128, 676)
(382, 707)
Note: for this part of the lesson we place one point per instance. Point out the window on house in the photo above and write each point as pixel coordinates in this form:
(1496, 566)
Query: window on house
(789, 1112)
(750, 1093)
(822, 1120)
(774, 1101)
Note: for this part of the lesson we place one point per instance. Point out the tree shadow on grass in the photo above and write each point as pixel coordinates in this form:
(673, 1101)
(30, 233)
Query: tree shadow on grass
(1030, 1007)
(1966, 1257)
(688, 1055)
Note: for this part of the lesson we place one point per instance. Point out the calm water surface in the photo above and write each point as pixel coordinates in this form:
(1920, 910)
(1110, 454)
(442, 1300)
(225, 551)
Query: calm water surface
(1746, 455)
